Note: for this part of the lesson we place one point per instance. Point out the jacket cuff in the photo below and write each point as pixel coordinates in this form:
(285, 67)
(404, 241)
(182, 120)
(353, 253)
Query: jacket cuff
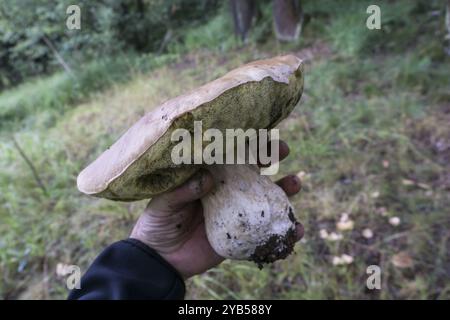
(129, 269)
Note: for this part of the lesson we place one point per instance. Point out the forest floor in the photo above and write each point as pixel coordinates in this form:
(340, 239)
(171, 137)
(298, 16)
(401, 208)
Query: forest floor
(370, 140)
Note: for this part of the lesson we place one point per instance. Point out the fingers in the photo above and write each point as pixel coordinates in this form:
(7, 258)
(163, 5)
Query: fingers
(290, 184)
(300, 231)
(283, 152)
(196, 187)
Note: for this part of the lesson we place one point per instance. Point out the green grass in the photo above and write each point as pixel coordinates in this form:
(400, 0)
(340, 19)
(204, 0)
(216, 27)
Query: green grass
(58, 93)
(370, 136)
(217, 34)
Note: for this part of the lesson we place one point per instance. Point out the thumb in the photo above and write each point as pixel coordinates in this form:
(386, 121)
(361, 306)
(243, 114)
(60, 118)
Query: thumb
(196, 187)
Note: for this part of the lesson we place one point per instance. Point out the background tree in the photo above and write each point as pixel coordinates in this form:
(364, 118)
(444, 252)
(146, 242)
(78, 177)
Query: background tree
(243, 12)
(288, 18)
(31, 32)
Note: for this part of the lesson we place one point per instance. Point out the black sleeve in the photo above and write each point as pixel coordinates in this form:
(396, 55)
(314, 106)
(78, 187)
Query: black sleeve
(129, 269)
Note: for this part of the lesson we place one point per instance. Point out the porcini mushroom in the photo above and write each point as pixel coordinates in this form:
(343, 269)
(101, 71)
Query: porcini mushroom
(247, 216)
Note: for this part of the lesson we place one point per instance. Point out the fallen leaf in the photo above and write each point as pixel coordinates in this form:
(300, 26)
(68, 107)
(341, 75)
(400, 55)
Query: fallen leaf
(424, 186)
(407, 182)
(301, 175)
(335, 236)
(402, 260)
(395, 221)
(367, 233)
(345, 226)
(375, 194)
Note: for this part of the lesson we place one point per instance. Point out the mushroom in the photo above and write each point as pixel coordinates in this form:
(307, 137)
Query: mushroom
(247, 216)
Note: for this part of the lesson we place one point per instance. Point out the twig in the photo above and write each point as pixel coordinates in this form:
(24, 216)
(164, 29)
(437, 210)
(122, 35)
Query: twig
(30, 165)
(397, 236)
(165, 41)
(58, 56)
(45, 280)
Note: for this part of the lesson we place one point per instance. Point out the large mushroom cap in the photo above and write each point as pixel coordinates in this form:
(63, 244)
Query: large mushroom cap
(137, 166)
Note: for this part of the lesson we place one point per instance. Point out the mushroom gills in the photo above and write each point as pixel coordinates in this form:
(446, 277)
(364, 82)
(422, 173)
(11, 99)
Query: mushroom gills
(247, 216)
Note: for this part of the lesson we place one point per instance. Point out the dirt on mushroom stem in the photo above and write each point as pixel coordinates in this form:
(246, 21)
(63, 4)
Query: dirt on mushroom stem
(277, 247)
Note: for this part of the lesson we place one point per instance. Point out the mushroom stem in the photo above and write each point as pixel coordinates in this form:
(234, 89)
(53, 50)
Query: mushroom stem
(247, 216)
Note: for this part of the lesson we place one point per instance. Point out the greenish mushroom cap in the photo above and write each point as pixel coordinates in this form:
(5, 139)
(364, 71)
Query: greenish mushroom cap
(138, 165)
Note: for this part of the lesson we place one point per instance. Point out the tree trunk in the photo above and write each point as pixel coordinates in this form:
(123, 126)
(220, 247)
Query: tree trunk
(447, 19)
(243, 12)
(288, 17)
(447, 27)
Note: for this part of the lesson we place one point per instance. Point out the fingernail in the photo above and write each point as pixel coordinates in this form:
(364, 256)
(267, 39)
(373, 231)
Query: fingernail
(197, 181)
(200, 182)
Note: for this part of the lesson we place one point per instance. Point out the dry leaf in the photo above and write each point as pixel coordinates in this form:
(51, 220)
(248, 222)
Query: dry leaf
(424, 186)
(395, 221)
(367, 233)
(375, 194)
(323, 234)
(301, 175)
(345, 226)
(407, 182)
(335, 236)
(402, 260)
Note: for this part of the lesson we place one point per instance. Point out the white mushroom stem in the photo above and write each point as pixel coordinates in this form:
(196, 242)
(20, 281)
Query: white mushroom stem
(247, 216)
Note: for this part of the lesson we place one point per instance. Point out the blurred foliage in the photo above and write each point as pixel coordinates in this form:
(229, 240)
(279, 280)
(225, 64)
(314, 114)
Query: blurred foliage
(401, 22)
(107, 27)
(56, 93)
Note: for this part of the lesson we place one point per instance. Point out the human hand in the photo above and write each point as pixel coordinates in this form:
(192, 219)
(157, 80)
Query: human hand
(173, 223)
